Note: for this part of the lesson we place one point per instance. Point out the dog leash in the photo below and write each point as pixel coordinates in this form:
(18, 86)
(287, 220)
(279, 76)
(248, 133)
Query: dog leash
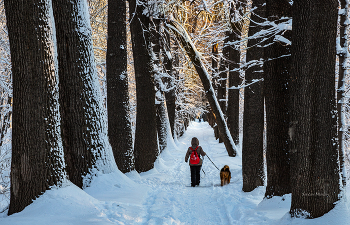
(212, 162)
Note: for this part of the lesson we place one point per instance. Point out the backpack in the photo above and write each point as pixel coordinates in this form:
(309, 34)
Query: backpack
(194, 158)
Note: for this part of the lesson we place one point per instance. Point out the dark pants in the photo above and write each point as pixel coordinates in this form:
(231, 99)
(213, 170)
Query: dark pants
(195, 175)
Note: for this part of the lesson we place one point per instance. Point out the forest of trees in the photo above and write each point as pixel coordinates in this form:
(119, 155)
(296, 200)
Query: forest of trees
(93, 86)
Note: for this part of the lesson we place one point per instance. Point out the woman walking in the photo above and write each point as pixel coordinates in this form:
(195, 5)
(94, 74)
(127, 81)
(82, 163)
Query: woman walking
(194, 152)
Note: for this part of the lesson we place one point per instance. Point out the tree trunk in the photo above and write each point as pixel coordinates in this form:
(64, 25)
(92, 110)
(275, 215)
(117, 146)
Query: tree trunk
(170, 84)
(84, 131)
(161, 112)
(163, 123)
(37, 154)
(195, 57)
(253, 118)
(233, 93)
(313, 131)
(146, 147)
(276, 70)
(214, 65)
(119, 124)
(343, 60)
(222, 81)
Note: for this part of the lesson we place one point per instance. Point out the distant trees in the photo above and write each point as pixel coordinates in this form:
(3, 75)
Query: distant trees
(37, 154)
(84, 130)
(119, 124)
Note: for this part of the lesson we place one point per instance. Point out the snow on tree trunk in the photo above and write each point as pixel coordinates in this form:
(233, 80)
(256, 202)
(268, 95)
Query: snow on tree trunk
(37, 153)
(197, 61)
(343, 53)
(84, 129)
(170, 83)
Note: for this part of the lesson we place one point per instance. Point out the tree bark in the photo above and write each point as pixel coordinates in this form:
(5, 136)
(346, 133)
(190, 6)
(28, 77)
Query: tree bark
(170, 83)
(84, 131)
(313, 131)
(343, 59)
(215, 79)
(214, 65)
(119, 124)
(195, 58)
(222, 82)
(161, 112)
(234, 81)
(276, 70)
(37, 154)
(146, 147)
(253, 118)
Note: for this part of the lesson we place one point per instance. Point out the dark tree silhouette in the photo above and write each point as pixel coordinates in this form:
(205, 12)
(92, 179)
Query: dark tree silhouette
(253, 118)
(119, 124)
(313, 130)
(276, 71)
(146, 147)
(234, 80)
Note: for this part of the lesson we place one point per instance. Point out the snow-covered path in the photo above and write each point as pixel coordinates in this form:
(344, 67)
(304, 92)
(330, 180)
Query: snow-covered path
(163, 196)
(170, 200)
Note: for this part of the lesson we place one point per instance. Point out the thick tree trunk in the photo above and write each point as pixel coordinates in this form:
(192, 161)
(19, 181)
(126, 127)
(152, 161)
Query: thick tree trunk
(119, 124)
(195, 57)
(146, 147)
(314, 153)
(37, 154)
(253, 118)
(276, 70)
(84, 131)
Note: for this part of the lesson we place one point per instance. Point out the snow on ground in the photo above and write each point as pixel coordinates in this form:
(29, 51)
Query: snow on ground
(162, 195)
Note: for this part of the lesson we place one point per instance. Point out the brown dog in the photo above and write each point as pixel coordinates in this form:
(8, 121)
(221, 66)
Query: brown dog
(225, 175)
